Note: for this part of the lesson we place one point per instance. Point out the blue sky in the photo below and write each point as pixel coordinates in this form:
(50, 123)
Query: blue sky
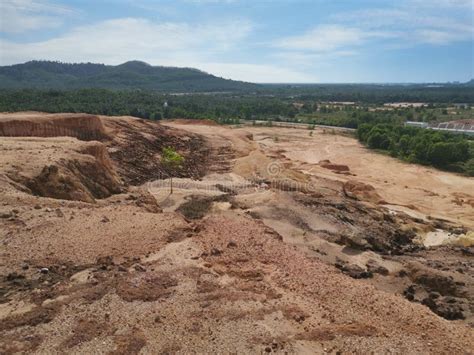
(257, 41)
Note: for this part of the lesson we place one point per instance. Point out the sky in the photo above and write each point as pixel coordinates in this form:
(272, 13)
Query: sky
(265, 41)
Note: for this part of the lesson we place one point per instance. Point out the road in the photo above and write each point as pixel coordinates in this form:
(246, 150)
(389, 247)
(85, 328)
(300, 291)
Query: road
(295, 125)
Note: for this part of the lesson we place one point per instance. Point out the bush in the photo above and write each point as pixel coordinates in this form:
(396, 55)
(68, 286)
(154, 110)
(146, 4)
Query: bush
(443, 150)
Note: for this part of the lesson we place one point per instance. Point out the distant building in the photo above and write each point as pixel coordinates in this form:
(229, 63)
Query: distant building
(416, 124)
(344, 103)
(406, 104)
(462, 127)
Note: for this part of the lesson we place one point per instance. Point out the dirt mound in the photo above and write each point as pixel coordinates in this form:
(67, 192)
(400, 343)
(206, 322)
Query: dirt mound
(81, 180)
(334, 167)
(28, 124)
(61, 167)
(360, 191)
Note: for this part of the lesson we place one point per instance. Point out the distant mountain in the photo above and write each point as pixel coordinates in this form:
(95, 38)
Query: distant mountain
(129, 75)
(470, 83)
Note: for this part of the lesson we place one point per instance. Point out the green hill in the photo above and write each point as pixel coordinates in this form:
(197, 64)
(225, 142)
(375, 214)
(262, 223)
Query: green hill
(129, 75)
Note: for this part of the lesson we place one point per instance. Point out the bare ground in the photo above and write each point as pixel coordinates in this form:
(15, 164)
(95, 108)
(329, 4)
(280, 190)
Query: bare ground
(266, 252)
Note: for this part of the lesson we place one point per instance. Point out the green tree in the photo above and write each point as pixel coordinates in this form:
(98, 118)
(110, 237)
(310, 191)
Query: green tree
(404, 144)
(421, 149)
(469, 167)
(172, 161)
(363, 132)
(378, 140)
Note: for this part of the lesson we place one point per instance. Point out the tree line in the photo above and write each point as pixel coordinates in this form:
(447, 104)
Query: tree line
(146, 104)
(443, 150)
(381, 130)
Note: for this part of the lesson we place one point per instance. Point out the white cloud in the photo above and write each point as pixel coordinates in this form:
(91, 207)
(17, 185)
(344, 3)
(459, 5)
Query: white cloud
(438, 37)
(257, 73)
(443, 3)
(26, 15)
(330, 38)
(406, 24)
(323, 38)
(119, 40)
(310, 59)
(417, 21)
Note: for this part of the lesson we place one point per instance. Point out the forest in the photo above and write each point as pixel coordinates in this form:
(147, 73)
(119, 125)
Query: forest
(226, 108)
(443, 150)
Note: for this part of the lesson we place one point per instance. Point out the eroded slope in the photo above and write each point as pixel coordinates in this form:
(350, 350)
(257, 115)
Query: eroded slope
(240, 261)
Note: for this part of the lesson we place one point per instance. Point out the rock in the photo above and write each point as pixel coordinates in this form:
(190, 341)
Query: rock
(231, 244)
(355, 241)
(300, 318)
(25, 266)
(37, 207)
(6, 215)
(44, 270)
(468, 251)
(215, 252)
(402, 273)
(410, 292)
(139, 267)
(14, 276)
(105, 219)
(59, 213)
(105, 261)
(437, 281)
(376, 268)
(354, 271)
(450, 308)
(146, 201)
(360, 191)
(334, 167)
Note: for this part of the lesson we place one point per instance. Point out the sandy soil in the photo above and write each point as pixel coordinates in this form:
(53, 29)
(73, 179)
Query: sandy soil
(256, 251)
(421, 189)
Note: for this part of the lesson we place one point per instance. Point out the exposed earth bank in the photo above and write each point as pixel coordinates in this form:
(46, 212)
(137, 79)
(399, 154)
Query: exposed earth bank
(258, 250)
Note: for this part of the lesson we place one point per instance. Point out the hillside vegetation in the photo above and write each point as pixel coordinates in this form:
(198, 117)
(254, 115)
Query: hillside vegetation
(129, 75)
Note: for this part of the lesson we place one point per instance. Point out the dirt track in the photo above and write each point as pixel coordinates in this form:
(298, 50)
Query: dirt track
(241, 261)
